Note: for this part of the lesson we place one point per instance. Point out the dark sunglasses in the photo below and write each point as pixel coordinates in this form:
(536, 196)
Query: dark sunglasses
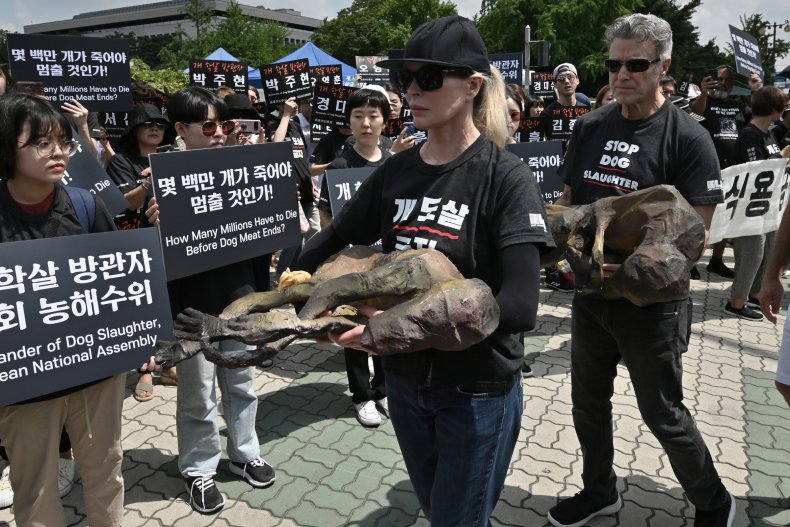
(159, 125)
(429, 78)
(633, 65)
(209, 128)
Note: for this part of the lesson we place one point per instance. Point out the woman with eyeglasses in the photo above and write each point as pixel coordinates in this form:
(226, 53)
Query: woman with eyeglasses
(35, 147)
(456, 414)
(202, 120)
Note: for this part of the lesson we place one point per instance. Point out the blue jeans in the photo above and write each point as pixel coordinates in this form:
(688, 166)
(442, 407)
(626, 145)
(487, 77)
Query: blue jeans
(650, 340)
(199, 448)
(457, 447)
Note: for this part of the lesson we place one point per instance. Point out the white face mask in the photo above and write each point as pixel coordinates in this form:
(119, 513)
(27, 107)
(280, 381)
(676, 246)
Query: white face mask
(721, 94)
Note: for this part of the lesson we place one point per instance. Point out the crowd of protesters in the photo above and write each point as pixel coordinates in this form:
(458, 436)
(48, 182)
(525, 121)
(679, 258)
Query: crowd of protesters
(456, 415)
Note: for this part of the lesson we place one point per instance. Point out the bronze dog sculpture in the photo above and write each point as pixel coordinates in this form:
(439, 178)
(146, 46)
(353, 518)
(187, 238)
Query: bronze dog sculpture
(654, 234)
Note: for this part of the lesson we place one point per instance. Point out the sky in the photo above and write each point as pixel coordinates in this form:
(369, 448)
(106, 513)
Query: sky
(712, 17)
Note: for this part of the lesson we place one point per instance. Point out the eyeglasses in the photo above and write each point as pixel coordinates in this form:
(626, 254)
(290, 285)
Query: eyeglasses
(159, 125)
(47, 148)
(633, 65)
(209, 128)
(515, 116)
(429, 78)
(567, 77)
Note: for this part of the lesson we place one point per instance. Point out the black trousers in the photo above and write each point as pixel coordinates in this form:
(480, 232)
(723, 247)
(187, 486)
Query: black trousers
(650, 340)
(359, 383)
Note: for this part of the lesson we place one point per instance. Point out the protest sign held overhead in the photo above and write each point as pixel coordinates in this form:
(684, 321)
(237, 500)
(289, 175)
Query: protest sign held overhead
(85, 172)
(77, 309)
(284, 80)
(329, 108)
(530, 129)
(747, 53)
(544, 159)
(211, 74)
(542, 83)
(94, 71)
(369, 73)
(509, 65)
(755, 197)
(560, 120)
(343, 183)
(329, 74)
(220, 206)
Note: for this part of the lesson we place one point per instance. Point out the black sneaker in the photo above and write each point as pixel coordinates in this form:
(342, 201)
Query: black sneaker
(204, 497)
(256, 472)
(526, 371)
(753, 302)
(694, 273)
(745, 312)
(578, 510)
(716, 266)
(556, 280)
(721, 517)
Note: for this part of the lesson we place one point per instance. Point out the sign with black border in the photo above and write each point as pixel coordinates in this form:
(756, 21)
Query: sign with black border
(544, 159)
(343, 183)
(284, 80)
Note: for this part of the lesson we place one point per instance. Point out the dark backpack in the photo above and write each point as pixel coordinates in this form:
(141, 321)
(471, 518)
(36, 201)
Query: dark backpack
(84, 206)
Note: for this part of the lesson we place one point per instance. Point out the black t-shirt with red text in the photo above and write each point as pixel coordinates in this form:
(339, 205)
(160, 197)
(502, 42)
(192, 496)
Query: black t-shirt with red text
(469, 209)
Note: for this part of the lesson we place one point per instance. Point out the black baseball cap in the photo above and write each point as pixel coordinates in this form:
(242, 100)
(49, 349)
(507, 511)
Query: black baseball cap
(450, 41)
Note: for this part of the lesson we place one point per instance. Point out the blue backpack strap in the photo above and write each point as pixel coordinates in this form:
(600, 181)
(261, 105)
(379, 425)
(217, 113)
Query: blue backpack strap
(84, 206)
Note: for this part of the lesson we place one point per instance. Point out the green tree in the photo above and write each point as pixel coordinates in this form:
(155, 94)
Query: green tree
(372, 27)
(769, 53)
(201, 15)
(145, 47)
(3, 45)
(163, 79)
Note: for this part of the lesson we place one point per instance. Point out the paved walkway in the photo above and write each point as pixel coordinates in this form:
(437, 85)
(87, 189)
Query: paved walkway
(332, 472)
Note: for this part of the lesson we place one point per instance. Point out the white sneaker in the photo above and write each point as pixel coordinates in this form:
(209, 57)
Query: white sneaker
(367, 415)
(383, 406)
(6, 493)
(65, 476)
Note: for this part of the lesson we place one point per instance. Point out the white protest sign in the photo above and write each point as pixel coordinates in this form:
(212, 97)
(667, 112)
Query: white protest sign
(755, 196)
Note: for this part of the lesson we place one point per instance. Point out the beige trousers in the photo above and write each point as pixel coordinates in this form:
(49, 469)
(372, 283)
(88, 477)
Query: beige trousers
(31, 435)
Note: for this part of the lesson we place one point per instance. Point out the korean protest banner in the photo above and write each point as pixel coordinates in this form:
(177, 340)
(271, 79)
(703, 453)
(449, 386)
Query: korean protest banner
(76, 309)
(755, 197)
(94, 71)
(84, 171)
(369, 73)
(509, 65)
(329, 108)
(211, 74)
(544, 159)
(284, 80)
(747, 52)
(329, 74)
(344, 183)
(542, 83)
(559, 122)
(220, 206)
(530, 130)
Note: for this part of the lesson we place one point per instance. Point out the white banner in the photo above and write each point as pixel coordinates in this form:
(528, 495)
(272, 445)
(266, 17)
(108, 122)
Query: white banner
(755, 196)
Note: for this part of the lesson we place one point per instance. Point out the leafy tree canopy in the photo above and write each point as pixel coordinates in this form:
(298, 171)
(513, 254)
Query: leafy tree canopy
(165, 79)
(373, 27)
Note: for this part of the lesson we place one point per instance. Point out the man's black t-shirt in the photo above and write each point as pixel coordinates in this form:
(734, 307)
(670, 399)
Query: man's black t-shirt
(348, 159)
(469, 209)
(724, 119)
(124, 170)
(755, 145)
(612, 156)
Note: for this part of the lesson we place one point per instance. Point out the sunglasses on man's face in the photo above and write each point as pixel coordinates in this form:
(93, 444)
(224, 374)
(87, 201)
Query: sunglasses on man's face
(209, 128)
(633, 65)
(429, 78)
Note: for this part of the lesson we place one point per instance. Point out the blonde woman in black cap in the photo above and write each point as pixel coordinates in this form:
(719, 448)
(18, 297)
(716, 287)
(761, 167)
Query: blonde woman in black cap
(456, 414)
